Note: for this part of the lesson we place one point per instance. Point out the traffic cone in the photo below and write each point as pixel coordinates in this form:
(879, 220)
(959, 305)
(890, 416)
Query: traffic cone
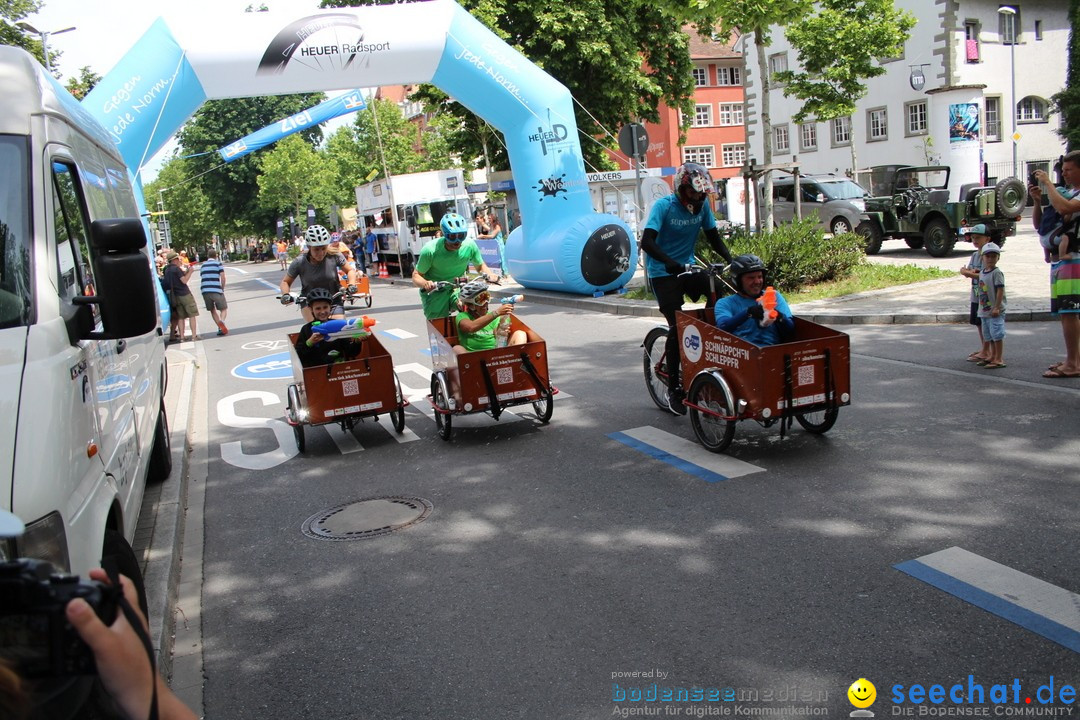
(382, 271)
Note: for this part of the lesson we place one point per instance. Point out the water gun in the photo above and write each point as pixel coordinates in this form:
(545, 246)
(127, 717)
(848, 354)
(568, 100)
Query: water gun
(353, 328)
(768, 301)
(513, 299)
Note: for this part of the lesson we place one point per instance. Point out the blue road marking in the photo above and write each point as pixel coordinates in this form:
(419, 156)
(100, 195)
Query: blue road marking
(654, 452)
(686, 455)
(1031, 603)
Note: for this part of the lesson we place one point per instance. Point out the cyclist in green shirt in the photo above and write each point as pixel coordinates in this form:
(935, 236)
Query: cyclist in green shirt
(443, 259)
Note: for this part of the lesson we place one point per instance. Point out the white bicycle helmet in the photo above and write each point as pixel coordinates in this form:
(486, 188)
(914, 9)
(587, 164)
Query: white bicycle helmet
(317, 236)
(475, 292)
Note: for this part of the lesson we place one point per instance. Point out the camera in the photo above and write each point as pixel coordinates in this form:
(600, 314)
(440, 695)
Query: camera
(1032, 180)
(35, 636)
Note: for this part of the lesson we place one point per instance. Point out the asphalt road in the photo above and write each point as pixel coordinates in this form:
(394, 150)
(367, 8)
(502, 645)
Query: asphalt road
(558, 561)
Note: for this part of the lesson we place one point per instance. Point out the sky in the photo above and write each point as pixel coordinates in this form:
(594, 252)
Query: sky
(106, 29)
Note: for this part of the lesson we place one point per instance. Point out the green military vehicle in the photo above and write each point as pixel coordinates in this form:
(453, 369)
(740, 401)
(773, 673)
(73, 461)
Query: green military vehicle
(912, 204)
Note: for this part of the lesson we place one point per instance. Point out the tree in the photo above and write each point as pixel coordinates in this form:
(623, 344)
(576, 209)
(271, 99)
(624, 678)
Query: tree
(620, 60)
(839, 47)
(1067, 102)
(292, 177)
(233, 187)
(11, 12)
(83, 84)
(191, 220)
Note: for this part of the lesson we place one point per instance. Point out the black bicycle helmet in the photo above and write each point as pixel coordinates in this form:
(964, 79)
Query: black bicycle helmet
(692, 184)
(317, 236)
(454, 227)
(319, 294)
(473, 292)
(744, 264)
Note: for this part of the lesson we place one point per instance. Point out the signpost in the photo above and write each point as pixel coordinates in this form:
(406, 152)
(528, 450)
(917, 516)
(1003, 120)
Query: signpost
(634, 142)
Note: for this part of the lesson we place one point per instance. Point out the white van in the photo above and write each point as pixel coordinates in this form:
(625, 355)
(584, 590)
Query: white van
(82, 356)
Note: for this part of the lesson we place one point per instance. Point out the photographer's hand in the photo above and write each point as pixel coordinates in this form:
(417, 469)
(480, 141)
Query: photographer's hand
(121, 658)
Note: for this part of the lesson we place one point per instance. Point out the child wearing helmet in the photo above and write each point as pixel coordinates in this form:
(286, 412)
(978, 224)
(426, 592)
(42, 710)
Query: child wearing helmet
(744, 316)
(476, 324)
(317, 269)
(313, 348)
(443, 259)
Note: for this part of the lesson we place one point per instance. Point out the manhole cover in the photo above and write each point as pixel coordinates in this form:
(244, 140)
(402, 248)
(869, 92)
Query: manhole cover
(367, 518)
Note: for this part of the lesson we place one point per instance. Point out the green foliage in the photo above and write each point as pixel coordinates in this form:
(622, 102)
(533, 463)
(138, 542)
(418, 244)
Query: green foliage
(292, 177)
(234, 187)
(1067, 102)
(838, 47)
(83, 84)
(619, 60)
(11, 12)
(796, 254)
(191, 221)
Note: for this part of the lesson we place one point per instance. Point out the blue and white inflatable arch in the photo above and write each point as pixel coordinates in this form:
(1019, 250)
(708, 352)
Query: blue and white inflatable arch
(562, 243)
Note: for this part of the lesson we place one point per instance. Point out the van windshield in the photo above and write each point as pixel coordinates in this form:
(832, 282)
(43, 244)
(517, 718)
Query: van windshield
(14, 232)
(842, 190)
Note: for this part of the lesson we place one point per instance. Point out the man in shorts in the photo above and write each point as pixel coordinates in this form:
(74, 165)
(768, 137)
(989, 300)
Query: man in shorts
(212, 285)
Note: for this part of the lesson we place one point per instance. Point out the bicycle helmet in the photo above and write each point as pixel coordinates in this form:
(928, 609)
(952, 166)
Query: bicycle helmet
(317, 236)
(319, 293)
(475, 292)
(742, 265)
(692, 184)
(454, 228)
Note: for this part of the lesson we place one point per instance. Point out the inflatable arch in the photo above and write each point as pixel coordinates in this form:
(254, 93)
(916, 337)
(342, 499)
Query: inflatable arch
(562, 243)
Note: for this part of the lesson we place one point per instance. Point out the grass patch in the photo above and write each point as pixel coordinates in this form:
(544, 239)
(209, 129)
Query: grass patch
(862, 278)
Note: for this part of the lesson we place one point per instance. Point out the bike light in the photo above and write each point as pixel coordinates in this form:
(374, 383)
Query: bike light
(468, 407)
(741, 405)
(844, 397)
(766, 413)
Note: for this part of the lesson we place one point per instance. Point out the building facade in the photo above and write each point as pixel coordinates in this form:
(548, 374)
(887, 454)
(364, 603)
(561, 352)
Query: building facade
(966, 53)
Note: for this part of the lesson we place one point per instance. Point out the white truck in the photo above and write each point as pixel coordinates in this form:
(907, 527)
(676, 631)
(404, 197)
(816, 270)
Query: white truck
(404, 212)
(82, 356)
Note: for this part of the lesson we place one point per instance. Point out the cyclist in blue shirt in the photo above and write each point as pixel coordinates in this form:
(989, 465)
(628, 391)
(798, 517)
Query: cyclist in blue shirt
(742, 315)
(670, 235)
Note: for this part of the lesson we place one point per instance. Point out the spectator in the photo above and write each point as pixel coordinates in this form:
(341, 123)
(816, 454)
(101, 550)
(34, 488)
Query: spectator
(979, 237)
(212, 285)
(1065, 202)
(180, 298)
(992, 306)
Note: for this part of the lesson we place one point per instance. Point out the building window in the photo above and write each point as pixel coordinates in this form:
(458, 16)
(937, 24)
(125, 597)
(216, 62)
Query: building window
(916, 117)
(733, 155)
(702, 115)
(1009, 26)
(1031, 110)
(1038, 29)
(971, 40)
(701, 154)
(877, 124)
(841, 131)
(781, 141)
(731, 114)
(777, 63)
(729, 76)
(993, 119)
(808, 137)
(701, 77)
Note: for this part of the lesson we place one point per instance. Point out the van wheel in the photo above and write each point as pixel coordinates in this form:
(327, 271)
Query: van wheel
(161, 452)
(840, 226)
(117, 548)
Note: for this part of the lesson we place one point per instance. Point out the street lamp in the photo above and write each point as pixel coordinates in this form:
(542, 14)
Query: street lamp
(1011, 14)
(44, 39)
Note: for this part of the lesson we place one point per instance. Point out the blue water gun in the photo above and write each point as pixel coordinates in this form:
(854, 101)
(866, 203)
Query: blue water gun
(513, 299)
(353, 328)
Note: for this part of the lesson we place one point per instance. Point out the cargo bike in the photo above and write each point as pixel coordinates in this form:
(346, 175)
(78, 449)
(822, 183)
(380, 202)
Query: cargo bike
(344, 392)
(487, 381)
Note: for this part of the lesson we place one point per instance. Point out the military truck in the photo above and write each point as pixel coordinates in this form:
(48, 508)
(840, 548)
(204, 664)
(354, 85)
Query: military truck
(912, 204)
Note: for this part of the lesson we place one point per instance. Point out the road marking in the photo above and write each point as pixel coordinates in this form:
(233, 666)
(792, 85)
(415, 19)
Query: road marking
(267, 283)
(1031, 603)
(684, 454)
(344, 439)
(397, 333)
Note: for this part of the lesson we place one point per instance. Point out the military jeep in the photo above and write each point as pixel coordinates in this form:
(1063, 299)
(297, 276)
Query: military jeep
(912, 204)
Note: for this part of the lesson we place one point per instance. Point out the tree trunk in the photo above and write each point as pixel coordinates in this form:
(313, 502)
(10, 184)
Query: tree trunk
(766, 133)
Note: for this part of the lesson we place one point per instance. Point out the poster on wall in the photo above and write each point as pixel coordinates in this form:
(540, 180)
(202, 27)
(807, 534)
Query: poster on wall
(963, 123)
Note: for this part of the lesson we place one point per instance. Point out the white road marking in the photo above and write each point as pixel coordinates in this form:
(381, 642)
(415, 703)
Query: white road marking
(684, 454)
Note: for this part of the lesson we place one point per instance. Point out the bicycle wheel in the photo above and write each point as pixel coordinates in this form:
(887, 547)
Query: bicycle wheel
(442, 407)
(656, 378)
(820, 421)
(544, 407)
(715, 433)
(397, 416)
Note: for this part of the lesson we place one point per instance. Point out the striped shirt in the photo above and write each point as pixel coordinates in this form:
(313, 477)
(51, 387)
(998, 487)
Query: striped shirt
(210, 273)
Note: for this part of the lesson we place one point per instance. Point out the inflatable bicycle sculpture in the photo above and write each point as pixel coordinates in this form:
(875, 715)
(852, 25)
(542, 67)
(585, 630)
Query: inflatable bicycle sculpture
(562, 243)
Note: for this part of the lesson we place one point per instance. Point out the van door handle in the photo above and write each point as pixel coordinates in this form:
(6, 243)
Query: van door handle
(121, 346)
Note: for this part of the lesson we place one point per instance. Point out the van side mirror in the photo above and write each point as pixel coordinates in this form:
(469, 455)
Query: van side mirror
(125, 293)
(410, 218)
(820, 198)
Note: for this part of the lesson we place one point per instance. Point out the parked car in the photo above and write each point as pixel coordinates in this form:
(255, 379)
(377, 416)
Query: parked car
(837, 201)
(912, 204)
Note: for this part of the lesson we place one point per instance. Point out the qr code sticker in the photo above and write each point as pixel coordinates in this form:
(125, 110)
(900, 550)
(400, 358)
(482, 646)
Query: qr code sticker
(350, 387)
(806, 375)
(504, 375)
